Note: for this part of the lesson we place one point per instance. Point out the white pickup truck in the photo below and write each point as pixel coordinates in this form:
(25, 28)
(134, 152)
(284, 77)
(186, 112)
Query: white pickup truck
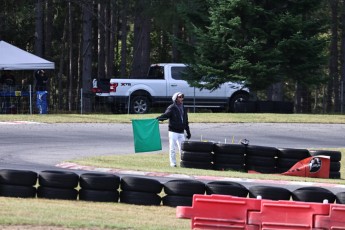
(156, 89)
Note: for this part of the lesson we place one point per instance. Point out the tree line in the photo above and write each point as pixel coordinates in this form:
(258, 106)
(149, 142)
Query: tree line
(282, 49)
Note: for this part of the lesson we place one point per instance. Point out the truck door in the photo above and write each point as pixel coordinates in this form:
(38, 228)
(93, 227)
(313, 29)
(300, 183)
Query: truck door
(176, 84)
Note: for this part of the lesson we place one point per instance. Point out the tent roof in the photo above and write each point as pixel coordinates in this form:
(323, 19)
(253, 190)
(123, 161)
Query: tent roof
(13, 58)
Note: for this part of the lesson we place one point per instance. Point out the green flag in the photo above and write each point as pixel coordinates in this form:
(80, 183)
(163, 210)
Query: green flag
(146, 134)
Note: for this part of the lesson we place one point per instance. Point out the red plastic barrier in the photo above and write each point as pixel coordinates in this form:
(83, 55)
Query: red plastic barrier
(335, 220)
(287, 214)
(219, 212)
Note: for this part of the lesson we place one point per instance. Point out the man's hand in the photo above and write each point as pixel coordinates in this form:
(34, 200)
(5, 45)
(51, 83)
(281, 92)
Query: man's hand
(188, 135)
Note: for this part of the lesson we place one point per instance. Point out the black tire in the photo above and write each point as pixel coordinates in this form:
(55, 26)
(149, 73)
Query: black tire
(263, 151)
(269, 192)
(140, 198)
(58, 179)
(229, 167)
(242, 96)
(174, 201)
(232, 149)
(197, 156)
(197, 146)
(184, 187)
(18, 177)
(226, 188)
(286, 163)
(313, 194)
(334, 155)
(289, 153)
(98, 195)
(268, 162)
(140, 105)
(57, 193)
(334, 175)
(335, 166)
(229, 159)
(99, 181)
(17, 191)
(196, 165)
(141, 184)
(340, 197)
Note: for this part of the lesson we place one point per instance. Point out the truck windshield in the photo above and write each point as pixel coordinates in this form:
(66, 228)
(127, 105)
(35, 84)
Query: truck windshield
(156, 72)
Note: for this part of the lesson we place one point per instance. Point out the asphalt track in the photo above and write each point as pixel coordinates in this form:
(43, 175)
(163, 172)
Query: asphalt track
(39, 146)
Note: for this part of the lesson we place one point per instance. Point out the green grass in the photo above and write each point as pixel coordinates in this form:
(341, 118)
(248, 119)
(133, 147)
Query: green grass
(159, 162)
(87, 215)
(193, 118)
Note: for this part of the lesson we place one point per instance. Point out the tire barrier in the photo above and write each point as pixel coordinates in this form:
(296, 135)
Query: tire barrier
(18, 183)
(288, 157)
(180, 192)
(335, 157)
(229, 157)
(140, 191)
(57, 185)
(197, 155)
(264, 107)
(101, 187)
(251, 158)
(228, 212)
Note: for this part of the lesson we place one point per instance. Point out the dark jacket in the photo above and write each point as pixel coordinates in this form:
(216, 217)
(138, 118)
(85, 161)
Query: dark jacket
(41, 82)
(176, 124)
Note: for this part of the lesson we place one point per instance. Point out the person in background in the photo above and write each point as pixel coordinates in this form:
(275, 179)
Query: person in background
(41, 91)
(178, 123)
(41, 80)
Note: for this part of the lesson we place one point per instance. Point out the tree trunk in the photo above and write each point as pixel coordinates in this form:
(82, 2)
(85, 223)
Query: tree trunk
(141, 44)
(71, 58)
(342, 58)
(101, 40)
(87, 56)
(123, 15)
(39, 28)
(333, 82)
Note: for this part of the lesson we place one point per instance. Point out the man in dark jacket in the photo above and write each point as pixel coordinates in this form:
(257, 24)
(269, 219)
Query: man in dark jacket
(178, 123)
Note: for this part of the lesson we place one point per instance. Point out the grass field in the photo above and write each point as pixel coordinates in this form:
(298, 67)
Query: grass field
(57, 214)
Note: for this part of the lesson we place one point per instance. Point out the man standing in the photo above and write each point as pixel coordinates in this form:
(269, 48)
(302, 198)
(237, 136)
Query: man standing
(41, 91)
(178, 123)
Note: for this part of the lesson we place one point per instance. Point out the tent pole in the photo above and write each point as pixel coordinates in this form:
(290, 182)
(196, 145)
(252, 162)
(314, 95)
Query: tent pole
(30, 96)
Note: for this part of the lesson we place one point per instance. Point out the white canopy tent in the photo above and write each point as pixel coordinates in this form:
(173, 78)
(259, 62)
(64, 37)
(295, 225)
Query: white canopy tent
(13, 58)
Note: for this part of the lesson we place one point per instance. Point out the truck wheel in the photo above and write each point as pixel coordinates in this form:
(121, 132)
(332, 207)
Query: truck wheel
(237, 98)
(140, 105)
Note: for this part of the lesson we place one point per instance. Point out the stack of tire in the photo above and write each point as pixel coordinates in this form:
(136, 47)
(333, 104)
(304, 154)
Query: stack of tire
(180, 192)
(288, 157)
(269, 192)
(57, 185)
(226, 188)
(229, 157)
(261, 159)
(140, 191)
(197, 154)
(335, 158)
(99, 187)
(313, 194)
(18, 183)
